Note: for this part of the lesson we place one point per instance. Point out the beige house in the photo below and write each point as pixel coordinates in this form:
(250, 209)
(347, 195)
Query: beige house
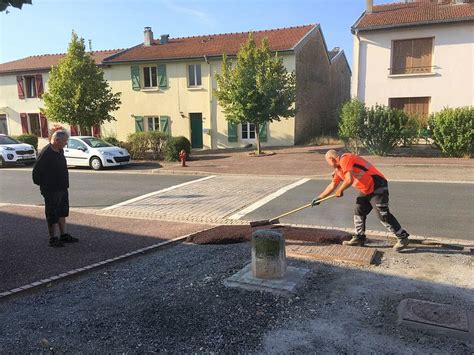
(167, 84)
(415, 55)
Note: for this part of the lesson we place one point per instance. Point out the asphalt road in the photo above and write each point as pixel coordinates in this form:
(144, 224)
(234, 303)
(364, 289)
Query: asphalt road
(427, 209)
(88, 189)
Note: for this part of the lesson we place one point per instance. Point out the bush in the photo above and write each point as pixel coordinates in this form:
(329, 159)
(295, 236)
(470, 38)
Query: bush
(174, 145)
(453, 131)
(412, 130)
(28, 139)
(141, 143)
(352, 117)
(112, 140)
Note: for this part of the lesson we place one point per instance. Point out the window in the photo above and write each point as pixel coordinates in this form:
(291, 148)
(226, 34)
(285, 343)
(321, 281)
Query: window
(412, 56)
(75, 144)
(194, 77)
(34, 126)
(248, 131)
(3, 124)
(149, 77)
(412, 105)
(153, 124)
(30, 83)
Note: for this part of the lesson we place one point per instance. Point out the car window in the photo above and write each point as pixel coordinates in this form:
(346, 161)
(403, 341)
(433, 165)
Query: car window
(8, 140)
(75, 144)
(96, 143)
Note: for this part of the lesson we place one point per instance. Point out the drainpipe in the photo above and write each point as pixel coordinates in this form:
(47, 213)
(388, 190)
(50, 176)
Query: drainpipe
(209, 82)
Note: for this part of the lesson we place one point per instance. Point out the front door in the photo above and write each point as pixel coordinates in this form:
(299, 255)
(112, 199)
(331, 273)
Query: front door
(76, 153)
(196, 130)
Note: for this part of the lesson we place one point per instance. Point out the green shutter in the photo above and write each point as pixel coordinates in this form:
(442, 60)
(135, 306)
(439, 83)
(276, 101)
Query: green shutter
(139, 124)
(165, 124)
(135, 74)
(162, 78)
(232, 135)
(263, 132)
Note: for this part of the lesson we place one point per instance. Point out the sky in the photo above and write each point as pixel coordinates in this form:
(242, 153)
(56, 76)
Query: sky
(45, 27)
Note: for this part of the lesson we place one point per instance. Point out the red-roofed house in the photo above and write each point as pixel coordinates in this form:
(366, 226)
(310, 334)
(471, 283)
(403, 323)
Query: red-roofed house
(167, 84)
(415, 55)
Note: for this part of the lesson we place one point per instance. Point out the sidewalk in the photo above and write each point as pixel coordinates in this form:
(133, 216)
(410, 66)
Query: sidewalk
(309, 162)
(26, 257)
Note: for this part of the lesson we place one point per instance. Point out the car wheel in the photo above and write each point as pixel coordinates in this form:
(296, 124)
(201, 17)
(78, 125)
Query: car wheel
(96, 163)
(2, 162)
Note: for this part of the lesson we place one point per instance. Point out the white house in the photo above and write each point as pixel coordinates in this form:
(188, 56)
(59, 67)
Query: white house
(415, 55)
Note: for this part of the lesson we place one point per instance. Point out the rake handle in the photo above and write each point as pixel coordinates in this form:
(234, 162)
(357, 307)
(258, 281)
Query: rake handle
(301, 208)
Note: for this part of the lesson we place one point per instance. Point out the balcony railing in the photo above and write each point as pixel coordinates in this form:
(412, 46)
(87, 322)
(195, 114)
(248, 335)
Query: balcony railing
(412, 70)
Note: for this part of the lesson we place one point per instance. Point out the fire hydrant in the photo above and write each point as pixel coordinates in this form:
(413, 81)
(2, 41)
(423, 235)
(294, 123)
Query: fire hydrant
(182, 157)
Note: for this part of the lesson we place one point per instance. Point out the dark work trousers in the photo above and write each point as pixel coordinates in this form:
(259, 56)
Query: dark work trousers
(379, 201)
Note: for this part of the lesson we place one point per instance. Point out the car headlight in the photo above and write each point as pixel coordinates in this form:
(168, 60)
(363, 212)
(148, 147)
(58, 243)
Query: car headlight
(107, 154)
(8, 148)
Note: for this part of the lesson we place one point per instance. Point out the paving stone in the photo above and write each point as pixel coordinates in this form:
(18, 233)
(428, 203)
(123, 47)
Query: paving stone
(342, 253)
(436, 317)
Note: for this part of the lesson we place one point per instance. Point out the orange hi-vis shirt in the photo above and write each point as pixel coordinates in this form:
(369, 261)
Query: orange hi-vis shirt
(362, 171)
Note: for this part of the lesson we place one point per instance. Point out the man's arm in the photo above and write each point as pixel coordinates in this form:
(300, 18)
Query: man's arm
(38, 168)
(348, 179)
(328, 190)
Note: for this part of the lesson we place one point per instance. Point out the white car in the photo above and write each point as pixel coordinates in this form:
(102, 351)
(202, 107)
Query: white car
(94, 152)
(15, 152)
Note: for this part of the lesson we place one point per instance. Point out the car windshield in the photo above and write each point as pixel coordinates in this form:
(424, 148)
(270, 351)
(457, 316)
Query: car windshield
(96, 143)
(8, 140)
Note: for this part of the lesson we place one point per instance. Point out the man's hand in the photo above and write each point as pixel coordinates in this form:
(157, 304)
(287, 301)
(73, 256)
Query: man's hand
(315, 202)
(339, 193)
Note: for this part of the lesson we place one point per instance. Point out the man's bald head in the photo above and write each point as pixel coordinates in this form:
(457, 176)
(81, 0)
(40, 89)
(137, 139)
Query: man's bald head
(332, 158)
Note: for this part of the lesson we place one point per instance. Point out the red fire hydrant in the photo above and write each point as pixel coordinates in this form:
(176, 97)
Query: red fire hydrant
(182, 157)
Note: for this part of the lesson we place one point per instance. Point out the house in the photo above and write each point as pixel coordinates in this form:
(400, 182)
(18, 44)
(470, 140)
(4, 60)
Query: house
(167, 84)
(415, 55)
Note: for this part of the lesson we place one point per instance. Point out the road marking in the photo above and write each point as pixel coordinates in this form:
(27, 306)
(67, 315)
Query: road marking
(139, 198)
(267, 199)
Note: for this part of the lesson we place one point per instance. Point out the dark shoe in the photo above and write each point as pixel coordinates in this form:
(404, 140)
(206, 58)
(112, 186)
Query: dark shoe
(67, 238)
(356, 241)
(401, 244)
(55, 242)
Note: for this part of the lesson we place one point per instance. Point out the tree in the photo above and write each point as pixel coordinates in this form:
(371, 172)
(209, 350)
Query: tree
(15, 3)
(257, 88)
(77, 91)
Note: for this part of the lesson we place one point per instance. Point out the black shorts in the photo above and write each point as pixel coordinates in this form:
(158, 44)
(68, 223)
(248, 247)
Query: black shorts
(56, 205)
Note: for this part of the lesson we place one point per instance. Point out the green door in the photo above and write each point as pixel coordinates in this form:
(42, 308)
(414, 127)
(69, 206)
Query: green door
(196, 130)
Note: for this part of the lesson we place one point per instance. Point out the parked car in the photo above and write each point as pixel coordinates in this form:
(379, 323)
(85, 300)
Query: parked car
(15, 152)
(94, 152)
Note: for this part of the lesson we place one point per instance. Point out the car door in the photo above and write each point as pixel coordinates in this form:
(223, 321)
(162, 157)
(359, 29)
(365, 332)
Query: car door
(76, 153)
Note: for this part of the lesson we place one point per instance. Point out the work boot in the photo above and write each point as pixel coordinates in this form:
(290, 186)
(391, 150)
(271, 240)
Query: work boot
(402, 242)
(356, 241)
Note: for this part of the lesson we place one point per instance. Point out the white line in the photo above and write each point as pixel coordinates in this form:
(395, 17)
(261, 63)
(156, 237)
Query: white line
(267, 199)
(124, 203)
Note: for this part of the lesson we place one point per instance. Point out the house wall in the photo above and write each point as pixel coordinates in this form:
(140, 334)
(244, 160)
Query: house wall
(452, 81)
(313, 88)
(340, 88)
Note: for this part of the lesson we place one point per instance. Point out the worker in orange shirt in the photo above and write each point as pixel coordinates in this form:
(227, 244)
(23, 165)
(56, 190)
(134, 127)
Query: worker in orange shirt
(350, 169)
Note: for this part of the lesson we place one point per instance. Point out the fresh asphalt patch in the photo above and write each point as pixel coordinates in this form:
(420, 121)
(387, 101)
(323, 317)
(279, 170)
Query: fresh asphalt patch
(427, 209)
(88, 190)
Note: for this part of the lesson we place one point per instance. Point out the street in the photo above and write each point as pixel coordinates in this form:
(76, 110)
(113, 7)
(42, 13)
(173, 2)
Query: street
(423, 208)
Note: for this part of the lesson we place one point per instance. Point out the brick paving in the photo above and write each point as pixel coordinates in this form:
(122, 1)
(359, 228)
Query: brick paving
(340, 253)
(210, 201)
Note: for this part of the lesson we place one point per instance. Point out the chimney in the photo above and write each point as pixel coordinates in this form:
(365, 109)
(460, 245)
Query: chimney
(164, 39)
(370, 6)
(148, 34)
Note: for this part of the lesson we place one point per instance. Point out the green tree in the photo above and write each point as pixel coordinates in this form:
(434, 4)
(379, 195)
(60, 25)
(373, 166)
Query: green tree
(15, 3)
(77, 91)
(257, 88)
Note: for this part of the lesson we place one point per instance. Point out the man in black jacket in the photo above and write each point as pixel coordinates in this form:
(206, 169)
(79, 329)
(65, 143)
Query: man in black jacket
(51, 174)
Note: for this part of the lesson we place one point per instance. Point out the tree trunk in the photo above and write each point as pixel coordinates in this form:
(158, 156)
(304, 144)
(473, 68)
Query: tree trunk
(257, 135)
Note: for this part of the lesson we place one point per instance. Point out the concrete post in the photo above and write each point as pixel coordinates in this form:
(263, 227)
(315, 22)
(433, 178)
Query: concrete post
(268, 254)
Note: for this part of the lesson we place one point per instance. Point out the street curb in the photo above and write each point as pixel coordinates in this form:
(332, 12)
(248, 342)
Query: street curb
(93, 267)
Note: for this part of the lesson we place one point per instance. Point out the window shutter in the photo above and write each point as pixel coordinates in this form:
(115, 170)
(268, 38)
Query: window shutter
(139, 124)
(262, 134)
(20, 86)
(73, 130)
(24, 122)
(162, 78)
(44, 126)
(165, 124)
(232, 135)
(96, 131)
(39, 85)
(135, 74)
